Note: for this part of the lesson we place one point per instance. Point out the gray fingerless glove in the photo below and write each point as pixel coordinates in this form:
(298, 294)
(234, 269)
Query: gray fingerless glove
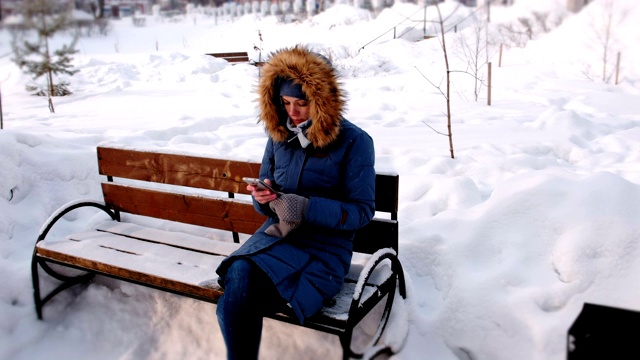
(290, 209)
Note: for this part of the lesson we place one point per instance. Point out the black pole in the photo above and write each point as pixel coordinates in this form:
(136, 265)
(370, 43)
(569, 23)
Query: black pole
(488, 11)
(1, 126)
(424, 30)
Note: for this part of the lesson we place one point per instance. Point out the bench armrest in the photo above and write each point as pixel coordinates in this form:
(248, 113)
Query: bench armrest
(358, 307)
(370, 266)
(68, 207)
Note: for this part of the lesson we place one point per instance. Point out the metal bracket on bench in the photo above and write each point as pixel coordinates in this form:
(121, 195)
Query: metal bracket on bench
(397, 279)
(67, 281)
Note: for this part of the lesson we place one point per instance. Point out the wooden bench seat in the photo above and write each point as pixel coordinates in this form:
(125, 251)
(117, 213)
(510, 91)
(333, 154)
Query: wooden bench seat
(149, 238)
(173, 261)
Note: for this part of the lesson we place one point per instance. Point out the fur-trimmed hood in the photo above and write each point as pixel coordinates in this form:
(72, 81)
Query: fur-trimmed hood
(319, 82)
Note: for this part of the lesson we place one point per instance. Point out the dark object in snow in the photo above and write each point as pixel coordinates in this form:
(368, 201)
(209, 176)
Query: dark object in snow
(603, 332)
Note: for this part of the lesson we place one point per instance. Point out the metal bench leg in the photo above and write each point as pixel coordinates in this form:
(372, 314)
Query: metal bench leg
(36, 288)
(346, 337)
(398, 282)
(67, 281)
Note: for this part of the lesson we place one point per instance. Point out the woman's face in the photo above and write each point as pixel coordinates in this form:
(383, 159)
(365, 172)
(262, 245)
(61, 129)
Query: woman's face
(297, 109)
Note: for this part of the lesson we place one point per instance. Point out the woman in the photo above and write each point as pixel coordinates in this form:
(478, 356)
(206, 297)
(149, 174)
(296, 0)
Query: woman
(323, 167)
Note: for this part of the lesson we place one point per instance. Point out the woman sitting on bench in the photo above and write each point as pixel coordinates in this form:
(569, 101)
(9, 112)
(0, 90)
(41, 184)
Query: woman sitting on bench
(322, 167)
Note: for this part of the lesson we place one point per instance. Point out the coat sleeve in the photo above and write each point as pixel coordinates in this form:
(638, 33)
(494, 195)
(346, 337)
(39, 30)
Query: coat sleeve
(357, 207)
(267, 169)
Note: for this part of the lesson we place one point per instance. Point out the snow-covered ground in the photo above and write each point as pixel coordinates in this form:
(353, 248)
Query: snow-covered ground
(536, 215)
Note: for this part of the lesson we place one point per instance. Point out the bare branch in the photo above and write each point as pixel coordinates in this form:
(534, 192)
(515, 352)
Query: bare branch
(430, 82)
(434, 130)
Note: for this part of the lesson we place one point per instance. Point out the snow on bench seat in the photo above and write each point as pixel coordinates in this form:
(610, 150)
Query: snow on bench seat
(176, 261)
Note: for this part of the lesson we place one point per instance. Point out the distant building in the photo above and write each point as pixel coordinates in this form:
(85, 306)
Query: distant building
(475, 3)
(118, 8)
(468, 2)
(8, 7)
(12, 7)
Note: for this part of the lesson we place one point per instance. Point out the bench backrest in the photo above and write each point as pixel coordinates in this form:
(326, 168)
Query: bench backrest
(232, 57)
(237, 216)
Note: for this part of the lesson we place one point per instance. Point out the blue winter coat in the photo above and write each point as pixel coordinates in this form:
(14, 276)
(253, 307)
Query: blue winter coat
(336, 172)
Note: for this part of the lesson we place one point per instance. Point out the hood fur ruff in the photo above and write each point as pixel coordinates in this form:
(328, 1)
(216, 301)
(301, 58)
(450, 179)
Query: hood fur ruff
(319, 82)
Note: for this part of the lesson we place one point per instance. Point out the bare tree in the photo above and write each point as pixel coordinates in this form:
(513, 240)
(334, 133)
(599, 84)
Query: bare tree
(605, 38)
(517, 33)
(526, 28)
(447, 91)
(473, 48)
(448, 94)
(470, 47)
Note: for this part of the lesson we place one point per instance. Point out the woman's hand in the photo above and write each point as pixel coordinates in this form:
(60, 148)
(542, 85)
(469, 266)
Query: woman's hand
(262, 196)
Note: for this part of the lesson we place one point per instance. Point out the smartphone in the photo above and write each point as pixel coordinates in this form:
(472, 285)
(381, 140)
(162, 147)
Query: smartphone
(259, 184)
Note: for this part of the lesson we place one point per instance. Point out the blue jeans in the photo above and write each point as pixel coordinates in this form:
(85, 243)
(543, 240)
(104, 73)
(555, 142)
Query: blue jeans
(249, 295)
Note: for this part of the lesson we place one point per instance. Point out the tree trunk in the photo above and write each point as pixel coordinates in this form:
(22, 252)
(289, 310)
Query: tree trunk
(1, 124)
(446, 61)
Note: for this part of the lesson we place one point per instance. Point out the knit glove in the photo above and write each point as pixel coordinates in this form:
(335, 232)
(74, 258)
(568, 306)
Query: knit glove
(290, 209)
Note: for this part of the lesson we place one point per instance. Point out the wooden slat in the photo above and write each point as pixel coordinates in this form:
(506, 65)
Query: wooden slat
(232, 57)
(228, 54)
(177, 239)
(183, 170)
(216, 213)
(146, 263)
(237, 59)
(134, 276)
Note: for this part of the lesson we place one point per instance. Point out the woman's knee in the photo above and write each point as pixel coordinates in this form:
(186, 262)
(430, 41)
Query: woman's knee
(240, 269)
(243, 278)
(247, 286)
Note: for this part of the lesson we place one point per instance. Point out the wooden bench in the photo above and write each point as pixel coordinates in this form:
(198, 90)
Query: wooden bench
(138, 21)
(232, 57)
(148, 238)
(172, 15)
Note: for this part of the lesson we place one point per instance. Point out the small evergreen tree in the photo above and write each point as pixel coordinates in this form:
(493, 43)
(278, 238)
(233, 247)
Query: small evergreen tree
(45, 18)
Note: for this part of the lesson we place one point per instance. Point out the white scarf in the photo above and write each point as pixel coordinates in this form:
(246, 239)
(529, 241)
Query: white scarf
(299, 131)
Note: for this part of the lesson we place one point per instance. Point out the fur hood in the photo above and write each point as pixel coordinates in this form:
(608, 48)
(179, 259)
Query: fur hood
(319, 82)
